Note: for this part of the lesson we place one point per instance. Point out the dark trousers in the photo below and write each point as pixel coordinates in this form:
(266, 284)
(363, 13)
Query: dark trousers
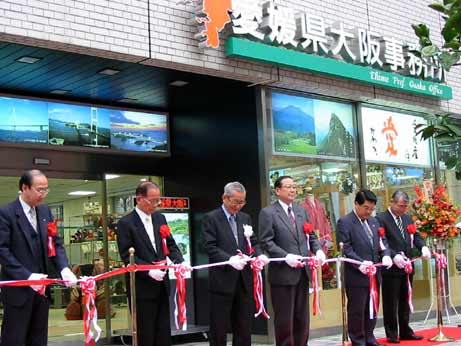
(291, 313)
(26, 325)
(233, 309)
(153, 319)
(396, 312)
(360, 326)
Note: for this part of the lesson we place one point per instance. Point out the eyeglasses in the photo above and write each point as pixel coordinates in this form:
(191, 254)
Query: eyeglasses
(42, 191)
(289, 187)
(154, 202)
(237, 202)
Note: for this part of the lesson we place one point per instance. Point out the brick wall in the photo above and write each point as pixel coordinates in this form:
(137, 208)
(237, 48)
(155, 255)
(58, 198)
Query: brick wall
(119, 29)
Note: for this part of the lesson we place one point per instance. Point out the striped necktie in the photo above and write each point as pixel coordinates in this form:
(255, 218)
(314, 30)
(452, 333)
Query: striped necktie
(400, 226)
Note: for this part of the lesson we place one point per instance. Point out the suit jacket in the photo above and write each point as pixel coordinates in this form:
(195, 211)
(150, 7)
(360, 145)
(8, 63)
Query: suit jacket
(18, 257)
(357, 246)
(220, 244)
(131, 233)
(279, 239)
(397, 243)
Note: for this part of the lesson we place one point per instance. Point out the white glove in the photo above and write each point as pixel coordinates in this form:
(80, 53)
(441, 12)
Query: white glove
(387, 262)
(364, 265)
(294, 261)
(426, 253)
(320, 255)
(37, 276)
(157, 274)
(264, 259)
(69, 277)
(238, 262)
(399, 261)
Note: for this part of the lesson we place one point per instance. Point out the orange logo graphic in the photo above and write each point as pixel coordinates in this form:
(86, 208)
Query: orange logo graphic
(217, 16)
(391, 134)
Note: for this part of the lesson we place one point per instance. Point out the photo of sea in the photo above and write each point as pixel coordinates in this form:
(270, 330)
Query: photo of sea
(138, 131)
(24, 121)
(79, 125)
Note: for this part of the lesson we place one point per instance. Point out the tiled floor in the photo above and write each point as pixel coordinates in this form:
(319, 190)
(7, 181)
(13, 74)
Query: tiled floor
(335, 340)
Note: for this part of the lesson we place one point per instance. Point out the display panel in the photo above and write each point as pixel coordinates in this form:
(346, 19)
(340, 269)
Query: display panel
(390, 137)
(179, 225)
(62, 124)
(312, 128)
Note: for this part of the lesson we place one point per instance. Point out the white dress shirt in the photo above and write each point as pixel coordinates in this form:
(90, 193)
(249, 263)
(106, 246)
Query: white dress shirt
(148, 225)
(26, 208)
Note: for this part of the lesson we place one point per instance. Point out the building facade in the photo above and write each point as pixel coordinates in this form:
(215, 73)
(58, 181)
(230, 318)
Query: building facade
(327, 92)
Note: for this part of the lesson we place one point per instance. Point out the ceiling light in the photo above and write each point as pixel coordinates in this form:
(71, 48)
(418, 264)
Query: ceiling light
(112, 176)
(127, 100)
(59, 91)
(179, 83)
(82, 193)
(143, 179)
(109, 71)
(28, 59)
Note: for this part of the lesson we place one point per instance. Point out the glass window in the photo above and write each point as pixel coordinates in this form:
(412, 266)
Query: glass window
(315, 142)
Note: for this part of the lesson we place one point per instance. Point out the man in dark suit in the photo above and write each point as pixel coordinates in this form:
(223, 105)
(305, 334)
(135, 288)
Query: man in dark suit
(396, 311)
(141, 230)
(358, 231)
(231, 287)
(281, 234)
(24, 255)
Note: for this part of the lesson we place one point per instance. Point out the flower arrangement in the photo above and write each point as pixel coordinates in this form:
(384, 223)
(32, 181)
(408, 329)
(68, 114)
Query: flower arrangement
(435, 215)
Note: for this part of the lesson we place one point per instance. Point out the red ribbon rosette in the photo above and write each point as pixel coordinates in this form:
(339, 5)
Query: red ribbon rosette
(180, 298)
(411, 228)
(374, 297)
(313, 264)
(308, 229)
(165, 233)
(381, 234)
(90, 314)
(257, 266)
(52, 231)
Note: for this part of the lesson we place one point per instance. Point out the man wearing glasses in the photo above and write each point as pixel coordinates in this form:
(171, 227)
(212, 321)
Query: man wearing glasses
(281, 231)
(396, 311)
(358, 231)
(231, 290)
(141, 230)
(24, 255)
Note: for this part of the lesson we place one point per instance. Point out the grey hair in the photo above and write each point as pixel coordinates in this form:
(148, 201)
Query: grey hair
(400, 194)
(232, 187)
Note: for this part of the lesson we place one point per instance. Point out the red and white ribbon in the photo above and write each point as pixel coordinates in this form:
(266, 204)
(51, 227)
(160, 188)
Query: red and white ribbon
(409, 269)
(441, 261)
(90, 314)
(257, 266)
(381, 234)
(374, 297)
(180, 298)
(313, 264)
(308, 228)
(248, 233)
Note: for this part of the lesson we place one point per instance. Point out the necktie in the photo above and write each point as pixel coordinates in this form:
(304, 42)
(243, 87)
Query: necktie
(233, 225)
(292, 218)
(33, 218)
(400, 226)
(150, 231)
(367, 231)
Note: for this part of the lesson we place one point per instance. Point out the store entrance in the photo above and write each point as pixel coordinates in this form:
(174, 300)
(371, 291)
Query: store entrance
(77, 206)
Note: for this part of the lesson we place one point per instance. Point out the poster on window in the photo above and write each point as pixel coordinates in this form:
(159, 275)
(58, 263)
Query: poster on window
(309, 127)
(390, 137)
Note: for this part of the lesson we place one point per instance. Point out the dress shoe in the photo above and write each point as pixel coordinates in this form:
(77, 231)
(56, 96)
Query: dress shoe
(377, 344)
(393, 340)
(412, 337)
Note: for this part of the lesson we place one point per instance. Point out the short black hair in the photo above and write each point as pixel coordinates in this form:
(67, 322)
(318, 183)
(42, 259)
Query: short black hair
(278, 182)
(144, 187)
(365, 195)
(28, 176)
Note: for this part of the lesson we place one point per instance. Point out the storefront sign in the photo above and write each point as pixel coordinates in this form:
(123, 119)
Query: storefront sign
(390, 137)
(174, 203)
(280, 27)
(240, 48)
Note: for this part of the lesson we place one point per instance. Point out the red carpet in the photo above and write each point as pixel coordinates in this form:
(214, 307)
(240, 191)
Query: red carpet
(453, 332)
